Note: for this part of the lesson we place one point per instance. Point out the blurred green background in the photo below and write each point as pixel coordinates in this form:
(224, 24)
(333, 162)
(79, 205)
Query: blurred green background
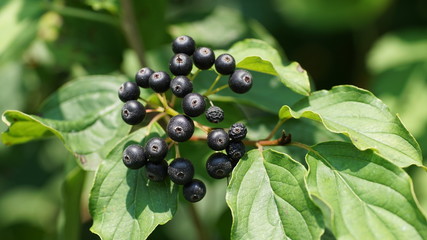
(378, 45)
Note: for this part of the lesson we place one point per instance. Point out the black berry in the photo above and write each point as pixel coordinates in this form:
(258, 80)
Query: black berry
(237, 131)
(156, 172)
(235, 150)
(156, 149)
(204, 58)
(184, 44)
(214, 114)
(180, 128)
(193, 104)
(225, 64)
(181, 86)
(194, 191)
(129, 91)
(219, 165)
(133, 112)
(134, 157)
(142, 76)
(180, 64)
(181, 171)
(240, 81)
(218, 139)
(159, 81)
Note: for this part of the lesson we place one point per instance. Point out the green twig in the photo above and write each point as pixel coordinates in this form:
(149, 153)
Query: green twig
(212, 85)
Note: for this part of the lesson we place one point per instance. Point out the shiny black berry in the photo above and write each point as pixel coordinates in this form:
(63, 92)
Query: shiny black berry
(181, 86)
(159, 81)
(218, 139)
(240, 81)
(134, 157)
(214, 114)
(237, 131)
(193, 104)
(180, 128)
(184, 44)
(180, 64)
(225, 64)
(235, 150)
(133, 112)
(129, 91)
(142, 76)
(156, 149)
(156, 172)
(181, 171)
(194, 191)
(203, 58)
(219, 165)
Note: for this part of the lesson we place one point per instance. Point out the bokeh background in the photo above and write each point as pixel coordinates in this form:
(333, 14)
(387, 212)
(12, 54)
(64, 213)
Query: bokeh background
(379, 45)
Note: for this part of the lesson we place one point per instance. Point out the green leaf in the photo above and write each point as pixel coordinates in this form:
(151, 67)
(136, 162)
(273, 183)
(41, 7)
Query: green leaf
(84, 114)
(358, 114)
(257, 55)
(363, 195)
(268, 197)
(124, 204)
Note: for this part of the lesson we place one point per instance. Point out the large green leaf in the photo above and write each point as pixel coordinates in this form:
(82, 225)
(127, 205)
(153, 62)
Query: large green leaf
(362, 195)
(84, 114)
(259, 56)
(124, 204)
(358, 114)
(268, 199)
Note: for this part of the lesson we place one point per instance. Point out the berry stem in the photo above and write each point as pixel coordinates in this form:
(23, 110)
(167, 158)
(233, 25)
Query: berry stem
(201, 127)
(278, 124)
(216, 90)
(164, 102)
(177, 153)
(218, 77)
(155, 119)
(193, 76)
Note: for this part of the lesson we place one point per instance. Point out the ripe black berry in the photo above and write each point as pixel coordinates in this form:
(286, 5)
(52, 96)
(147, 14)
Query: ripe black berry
(129, 91)
(181, 171)
(184, 44)
(235, 150)
(219, 165)
(240, 81)
(156, 172)
(159, 81)
(237, 131)
(204, 58)
(193, 104)
(180, 64)
(156, 149)
(218, 139)
(225, 64)
(181, 86)
(194, 191)
(133, 156)
(133, 112)
(180, 128)
(214, 114)
(142, 76)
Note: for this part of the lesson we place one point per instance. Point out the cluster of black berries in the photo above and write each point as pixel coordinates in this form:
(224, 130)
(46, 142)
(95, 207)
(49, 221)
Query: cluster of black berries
(180, 128)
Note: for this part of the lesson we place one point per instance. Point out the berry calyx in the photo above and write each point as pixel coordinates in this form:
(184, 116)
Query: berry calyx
(180, 128)
(194, 191)
(240, 81)
(180, 64)
(159, 81)
(237, 131)
(134, 157)
(184, 44)
(225, 64)
(142, 76)
(203, 58)
(235, 150)
(181, 86)
(129, 91)
(193, 104)
(133, 112)
(219, 165)
(181, 171)
(156, 172)
(214, 114)
(218, 139)
(156, 149)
